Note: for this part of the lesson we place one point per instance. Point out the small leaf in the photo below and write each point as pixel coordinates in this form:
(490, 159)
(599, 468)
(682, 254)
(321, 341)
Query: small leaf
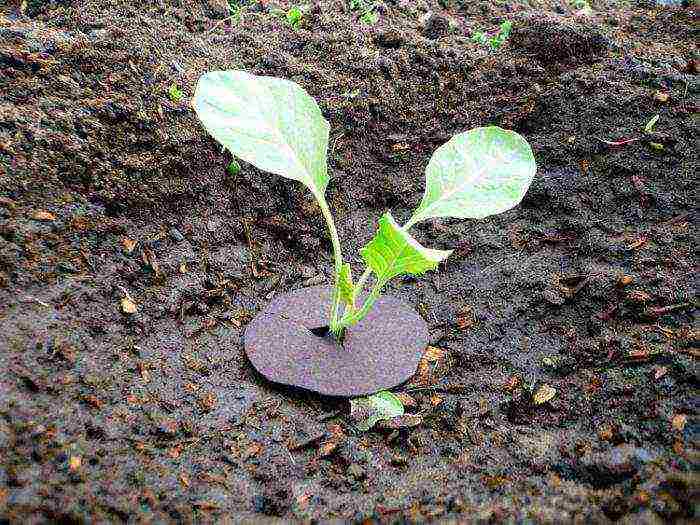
(544, 393)
(649, 128)
(366, 411)
(346, 289)
(393, 251)
(272, 123)
(475, 174)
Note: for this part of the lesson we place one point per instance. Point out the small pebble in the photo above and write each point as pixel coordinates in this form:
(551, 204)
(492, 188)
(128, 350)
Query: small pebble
(176, 235)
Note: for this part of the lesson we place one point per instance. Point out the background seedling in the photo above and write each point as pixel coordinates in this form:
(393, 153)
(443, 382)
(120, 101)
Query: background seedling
(294, 16)
(497, 40)
(367, 10)
(175, 93)
(275, 125)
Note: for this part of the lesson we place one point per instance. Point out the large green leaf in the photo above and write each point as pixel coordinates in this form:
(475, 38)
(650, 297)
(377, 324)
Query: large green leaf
(366, 411)
(269, 122)
(393, 251)
(475, 174)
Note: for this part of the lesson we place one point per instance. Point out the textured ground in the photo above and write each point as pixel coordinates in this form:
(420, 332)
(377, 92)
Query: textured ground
(110, 190)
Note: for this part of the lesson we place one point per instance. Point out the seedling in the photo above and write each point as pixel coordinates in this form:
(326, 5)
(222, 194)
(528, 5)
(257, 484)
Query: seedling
(276, 126)
(495, 41)
(294, 17)
(175, 93)
(233, 168)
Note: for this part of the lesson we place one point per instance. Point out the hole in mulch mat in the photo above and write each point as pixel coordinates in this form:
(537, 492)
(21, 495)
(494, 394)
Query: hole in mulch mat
(288, 343)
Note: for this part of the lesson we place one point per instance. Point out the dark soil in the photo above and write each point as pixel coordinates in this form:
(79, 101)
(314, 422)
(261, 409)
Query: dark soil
(113, 197)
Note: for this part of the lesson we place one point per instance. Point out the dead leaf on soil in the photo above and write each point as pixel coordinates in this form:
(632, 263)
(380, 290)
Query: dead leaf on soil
(43, 215)
(678, 422)
(253, 450)
(465, 318)
(625, 280)
(74, 463)
(544, 393)
(128, 245)
(143, 371)
(660, 96)
(605, 433)
(659, 372)
(93, 401)
(511, 383)
(128, 306)
(185, 480)
(208, 401)
(336, 437)
(638, 243)
(428, 363)
(149, 259)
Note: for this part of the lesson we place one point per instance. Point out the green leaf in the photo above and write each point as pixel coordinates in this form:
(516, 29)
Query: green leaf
(269, 122)
(345, 287)
(475, 174)
(393, 251)
(366, 411)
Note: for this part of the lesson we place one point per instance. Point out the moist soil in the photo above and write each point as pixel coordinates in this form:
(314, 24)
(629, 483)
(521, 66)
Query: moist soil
(561, 380)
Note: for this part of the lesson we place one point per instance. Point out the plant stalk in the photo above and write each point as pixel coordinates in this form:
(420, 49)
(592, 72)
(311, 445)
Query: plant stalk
(333, 323)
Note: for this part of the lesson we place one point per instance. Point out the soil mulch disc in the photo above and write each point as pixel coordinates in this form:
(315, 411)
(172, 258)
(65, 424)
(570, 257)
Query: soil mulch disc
(379, 352)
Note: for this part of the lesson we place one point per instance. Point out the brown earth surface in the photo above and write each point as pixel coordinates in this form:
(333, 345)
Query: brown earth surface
(113, 198)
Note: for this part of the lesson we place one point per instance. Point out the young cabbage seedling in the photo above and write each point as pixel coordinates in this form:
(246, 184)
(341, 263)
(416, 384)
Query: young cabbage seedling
(276, 126)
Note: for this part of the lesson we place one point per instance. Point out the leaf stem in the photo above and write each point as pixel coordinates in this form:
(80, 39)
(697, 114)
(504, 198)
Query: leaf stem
(351, 319)
(333, 324)
(360, 284)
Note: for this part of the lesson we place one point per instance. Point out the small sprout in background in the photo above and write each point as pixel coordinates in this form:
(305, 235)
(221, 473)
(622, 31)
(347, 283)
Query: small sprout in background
(649, 128)
(495, 41)
(236, 8)
(480, 37)
(294, 16)
(367, 10)
(175, 93)
(369, 18)
(233, 168)
(382, 406)
(656, 145)
(582, 7)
